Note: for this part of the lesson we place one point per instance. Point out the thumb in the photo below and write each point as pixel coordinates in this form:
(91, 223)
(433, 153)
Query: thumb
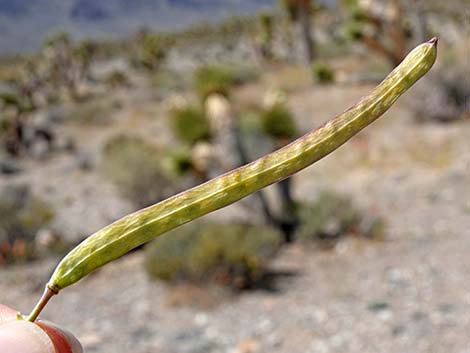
(24, 337)
(20, 336)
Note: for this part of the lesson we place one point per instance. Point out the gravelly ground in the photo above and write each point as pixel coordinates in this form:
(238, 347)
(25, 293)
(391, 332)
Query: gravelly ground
(409, 293)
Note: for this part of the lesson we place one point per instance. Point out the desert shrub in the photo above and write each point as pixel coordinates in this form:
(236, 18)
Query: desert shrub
(22, 215)
(445, 96)
(17, 100)
(332, 216)
(178, 161)
(323, 73)
(234, 255)
(117, 78)
(356, 29)
(214, 79)
(134, 166)
(277, 122)
(190, 124)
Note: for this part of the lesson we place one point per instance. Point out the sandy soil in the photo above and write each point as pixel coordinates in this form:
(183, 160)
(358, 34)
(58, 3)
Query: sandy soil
(409, 293)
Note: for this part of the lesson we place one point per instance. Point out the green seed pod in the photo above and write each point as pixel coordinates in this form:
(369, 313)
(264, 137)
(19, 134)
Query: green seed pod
(135, 229)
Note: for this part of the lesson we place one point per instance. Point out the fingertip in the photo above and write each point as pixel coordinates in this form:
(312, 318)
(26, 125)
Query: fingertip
(19, 336)
(24, 337)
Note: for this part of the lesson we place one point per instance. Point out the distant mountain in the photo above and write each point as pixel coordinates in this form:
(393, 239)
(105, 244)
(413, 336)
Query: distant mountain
(88, 10)
(25, 23)
(13, 8)
(197, 4)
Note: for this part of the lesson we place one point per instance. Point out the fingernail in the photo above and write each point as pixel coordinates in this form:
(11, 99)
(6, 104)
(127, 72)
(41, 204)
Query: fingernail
(63, 340)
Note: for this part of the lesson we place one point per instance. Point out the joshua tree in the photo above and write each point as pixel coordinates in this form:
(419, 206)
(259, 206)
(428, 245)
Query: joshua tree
(59, 67)
(148, 52)
(299, 12)
(83, 55)
(379, 26)
(278, 124)
(14, 108)
(265, 35)
(419, 19)
(229, 145)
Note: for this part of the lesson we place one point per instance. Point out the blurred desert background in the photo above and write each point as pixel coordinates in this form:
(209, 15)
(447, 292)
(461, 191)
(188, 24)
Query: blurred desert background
(110, 106)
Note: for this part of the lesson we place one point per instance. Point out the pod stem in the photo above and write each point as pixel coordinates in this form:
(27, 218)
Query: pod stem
(49, 292)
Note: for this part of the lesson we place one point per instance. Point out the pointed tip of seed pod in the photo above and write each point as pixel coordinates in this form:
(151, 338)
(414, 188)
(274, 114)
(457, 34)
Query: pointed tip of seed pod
(433, 41)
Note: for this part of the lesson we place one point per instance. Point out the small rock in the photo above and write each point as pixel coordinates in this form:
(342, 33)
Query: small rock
(47, 239)
(247, 346)
(201, 319)
(39, 149)
(91, 340)
(192, 341)
(9, 166)
(64, 143)
(83, 162)
(398, 330)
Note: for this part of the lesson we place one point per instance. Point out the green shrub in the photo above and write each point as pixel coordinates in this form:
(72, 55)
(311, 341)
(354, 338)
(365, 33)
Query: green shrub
(234, 255)
(134, 166)
(332, 216)
(190, 124)
(117, 78)
(214, 79)
(21, 217)
(278, 122)
(178, 161)
(322, 72)
(17, 100)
